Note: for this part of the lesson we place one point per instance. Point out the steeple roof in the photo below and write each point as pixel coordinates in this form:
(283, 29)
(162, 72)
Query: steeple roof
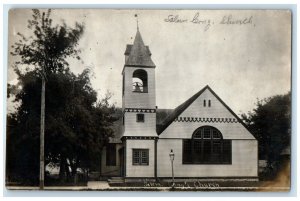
(138, 54)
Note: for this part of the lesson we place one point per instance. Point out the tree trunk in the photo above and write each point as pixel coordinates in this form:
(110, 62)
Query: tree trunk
(68, 173)
(100, 163)
(62, 169)
(74, 166)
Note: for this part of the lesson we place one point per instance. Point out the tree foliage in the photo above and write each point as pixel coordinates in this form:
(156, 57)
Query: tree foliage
(270, 122)
(49, 46)
(77, 125)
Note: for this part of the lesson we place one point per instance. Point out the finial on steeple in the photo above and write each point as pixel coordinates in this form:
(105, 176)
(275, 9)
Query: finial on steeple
(137, 21)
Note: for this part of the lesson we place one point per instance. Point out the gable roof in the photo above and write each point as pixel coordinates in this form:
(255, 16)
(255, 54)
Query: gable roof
(178, 110)
(138, 54)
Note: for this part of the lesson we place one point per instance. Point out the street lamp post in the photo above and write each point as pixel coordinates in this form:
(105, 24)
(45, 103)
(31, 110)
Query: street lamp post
(172, 155)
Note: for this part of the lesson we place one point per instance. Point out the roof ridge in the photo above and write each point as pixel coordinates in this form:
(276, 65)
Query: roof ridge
(179, 109)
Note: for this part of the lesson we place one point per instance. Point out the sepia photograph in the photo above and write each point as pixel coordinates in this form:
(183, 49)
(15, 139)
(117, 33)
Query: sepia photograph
(149, 100)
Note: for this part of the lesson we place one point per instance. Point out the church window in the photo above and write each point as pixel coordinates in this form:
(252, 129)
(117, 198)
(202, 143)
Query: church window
(140, 81)
(216, 134)
(140, 156)
(209, 103)
(140, 117)
(111, 155)
(204, 103)
(207, 146)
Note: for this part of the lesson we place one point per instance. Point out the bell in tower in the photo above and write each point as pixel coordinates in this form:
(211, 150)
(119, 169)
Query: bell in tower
(139, 79)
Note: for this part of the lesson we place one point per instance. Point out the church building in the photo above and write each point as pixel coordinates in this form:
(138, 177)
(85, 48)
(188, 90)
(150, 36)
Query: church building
(206, 138)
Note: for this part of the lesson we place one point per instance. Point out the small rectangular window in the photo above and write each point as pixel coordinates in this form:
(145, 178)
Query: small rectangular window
(209, 103)
(140, 117)
(140, 156)
(204, 103)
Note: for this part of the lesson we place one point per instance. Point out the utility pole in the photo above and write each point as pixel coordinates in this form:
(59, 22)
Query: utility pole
(42, 136)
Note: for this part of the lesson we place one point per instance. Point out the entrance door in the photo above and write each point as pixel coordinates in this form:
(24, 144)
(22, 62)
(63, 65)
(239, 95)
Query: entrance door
(122, 162)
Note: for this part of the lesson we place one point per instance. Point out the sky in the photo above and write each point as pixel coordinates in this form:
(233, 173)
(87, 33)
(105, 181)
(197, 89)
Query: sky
(243, 55)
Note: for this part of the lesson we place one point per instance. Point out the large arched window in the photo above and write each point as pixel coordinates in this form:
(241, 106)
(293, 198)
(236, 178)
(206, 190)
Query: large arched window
(140, 81)
(207, 146)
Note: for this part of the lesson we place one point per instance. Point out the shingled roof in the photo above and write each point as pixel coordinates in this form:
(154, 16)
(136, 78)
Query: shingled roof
(138, 54)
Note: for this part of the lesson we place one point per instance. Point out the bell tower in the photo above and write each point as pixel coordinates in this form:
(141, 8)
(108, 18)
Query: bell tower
(139, 111)
(139, 105)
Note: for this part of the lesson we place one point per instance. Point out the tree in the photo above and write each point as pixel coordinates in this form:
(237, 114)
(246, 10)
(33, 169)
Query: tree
(270, 122)
(77, 128)
(77, 125)
(47, 50)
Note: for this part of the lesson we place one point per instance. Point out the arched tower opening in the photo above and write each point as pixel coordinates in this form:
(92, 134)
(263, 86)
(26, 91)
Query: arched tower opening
(140, 81)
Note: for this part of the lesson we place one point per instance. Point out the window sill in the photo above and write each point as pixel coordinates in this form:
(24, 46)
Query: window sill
(140, 92)
(206, 163)
(140, 164)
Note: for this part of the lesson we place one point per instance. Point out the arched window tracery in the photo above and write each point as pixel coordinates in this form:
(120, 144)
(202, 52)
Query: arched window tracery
(206, 146)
